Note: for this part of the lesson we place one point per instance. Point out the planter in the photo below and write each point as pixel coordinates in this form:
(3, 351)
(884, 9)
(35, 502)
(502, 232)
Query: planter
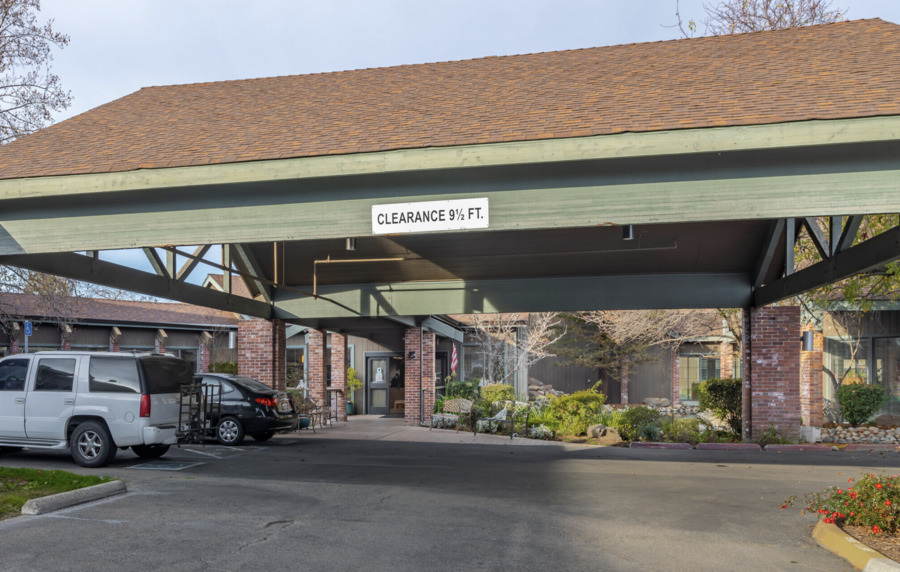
(350, 408)
(304, 422)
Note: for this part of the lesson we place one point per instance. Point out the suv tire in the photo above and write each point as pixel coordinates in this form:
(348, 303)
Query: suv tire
(150, 451)
(230, 431)
(91, 446)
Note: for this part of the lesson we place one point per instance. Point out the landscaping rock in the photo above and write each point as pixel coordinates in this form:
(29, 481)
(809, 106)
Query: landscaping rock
(657, 402)
(887, 420)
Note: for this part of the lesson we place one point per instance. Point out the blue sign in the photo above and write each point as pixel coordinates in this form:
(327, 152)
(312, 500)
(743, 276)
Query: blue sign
(28, 328)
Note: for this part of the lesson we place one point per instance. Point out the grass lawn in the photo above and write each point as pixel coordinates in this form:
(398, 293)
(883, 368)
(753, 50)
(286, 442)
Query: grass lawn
(17, 486)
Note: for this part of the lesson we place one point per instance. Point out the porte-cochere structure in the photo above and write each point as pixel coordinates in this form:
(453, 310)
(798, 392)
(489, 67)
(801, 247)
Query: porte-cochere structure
(665, 175)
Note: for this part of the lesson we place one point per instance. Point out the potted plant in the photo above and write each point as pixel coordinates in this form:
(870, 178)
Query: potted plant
(353, 383)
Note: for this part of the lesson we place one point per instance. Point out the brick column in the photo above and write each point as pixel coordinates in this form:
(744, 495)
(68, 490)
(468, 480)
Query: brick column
(773, 378)
(261, 351)
(676, 378)
(203, 358)
(13, 346)
(726, 360)
(339, 374)
(315, 365)
(412, 374)
(429, 375)
(811, 363)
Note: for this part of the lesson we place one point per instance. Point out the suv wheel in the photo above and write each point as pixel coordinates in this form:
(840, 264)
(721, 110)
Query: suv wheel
(150, 451)
(91, 445)
(230, 431)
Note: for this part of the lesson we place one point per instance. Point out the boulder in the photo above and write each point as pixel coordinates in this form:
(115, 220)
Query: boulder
(657, 402)
(887, 420)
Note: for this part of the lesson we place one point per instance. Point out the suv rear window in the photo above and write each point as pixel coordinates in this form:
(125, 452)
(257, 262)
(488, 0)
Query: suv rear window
(165, 374)
(115, 375)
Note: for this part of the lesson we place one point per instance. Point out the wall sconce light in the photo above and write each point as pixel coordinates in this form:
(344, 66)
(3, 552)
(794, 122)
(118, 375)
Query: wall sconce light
(351, 244)
(412, 354)
(808, 339)
(627, 232)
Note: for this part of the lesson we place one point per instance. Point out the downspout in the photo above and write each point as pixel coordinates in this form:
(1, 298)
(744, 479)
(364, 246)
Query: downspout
(421, 374)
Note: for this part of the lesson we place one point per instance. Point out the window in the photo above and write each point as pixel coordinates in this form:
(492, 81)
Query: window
(692, 370)
(55, 374)
(165, 374)
(887, 371)
(114, 375)
(848, 361)
(12, 374)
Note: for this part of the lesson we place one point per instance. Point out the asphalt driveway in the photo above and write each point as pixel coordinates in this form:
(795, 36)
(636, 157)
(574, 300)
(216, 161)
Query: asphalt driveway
(373, 494)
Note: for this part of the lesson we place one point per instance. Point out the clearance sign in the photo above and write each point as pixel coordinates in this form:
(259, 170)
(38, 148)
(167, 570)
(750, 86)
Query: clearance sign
(430, 216)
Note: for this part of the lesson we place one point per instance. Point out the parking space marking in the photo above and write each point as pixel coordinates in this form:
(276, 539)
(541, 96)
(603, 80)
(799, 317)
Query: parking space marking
(167, 465)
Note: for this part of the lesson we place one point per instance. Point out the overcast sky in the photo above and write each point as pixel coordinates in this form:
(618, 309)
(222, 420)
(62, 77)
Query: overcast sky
(119, 46)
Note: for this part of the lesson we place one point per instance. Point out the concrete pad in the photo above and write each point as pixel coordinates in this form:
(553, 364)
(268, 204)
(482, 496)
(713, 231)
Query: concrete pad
(832, 538)
(71, 498)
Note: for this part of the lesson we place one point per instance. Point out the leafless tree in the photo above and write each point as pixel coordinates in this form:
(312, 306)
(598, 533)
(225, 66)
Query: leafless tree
(739, 16)
(29, 92)
(512, 342)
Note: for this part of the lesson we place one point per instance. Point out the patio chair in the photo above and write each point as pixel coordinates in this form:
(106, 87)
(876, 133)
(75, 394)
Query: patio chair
(505, 417)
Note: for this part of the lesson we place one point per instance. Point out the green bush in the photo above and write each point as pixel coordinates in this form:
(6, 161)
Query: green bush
(467, 389)
(859, 402)
(772, 436)
(634, 420)
(873, 502)
(498, 392)
(723, 397)
(224, 367)
(682, 431)
(573, 414)
(439, 404)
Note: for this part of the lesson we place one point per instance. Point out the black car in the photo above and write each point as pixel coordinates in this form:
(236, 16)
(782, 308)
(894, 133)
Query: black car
(247, 407)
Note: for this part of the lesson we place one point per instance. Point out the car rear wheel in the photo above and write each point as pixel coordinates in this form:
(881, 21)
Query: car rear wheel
(230, 431)
(150, 451)
(91, 446)
(263, 436)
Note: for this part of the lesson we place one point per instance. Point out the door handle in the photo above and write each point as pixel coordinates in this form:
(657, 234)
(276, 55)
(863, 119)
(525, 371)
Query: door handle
(68, 401)
(20, 400)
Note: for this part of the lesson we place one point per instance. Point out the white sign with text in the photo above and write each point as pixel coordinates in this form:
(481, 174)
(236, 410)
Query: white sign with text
(461, 214)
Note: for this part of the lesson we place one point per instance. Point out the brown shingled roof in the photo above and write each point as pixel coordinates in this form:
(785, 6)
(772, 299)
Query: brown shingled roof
(114, 311)
(832, 71)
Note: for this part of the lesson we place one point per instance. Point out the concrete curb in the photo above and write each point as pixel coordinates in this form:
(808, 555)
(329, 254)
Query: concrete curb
(71, 498)
(832, 538)
(648, 445)
(729, 447)
(809, 447)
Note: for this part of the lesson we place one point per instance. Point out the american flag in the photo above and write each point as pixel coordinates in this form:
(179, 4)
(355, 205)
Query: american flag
(454, 361)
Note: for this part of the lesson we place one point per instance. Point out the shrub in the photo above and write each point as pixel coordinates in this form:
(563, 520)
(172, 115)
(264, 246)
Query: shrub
(772, 436)
(859, 402)
(498, 392)
(682, 431)
(540, 432)
(871, 502)
(467, 389)
(224, 367)
(633, 421)
(609, 417)
(439, 404)
(723, 397)
(573, 414)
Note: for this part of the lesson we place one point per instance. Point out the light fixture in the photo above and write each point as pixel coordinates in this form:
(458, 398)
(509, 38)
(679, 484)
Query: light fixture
(627, 232)
(351, 244)
(808, 340)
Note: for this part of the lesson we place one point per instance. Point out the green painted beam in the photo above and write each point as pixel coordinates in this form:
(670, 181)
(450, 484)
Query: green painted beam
(871, 254)
(523, 295)
(618, 146)
(105, 273)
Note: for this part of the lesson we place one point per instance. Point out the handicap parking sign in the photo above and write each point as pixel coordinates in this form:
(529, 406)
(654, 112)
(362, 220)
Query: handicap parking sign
(27, 328)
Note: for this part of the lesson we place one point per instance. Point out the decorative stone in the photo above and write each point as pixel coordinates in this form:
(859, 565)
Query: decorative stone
(887, 420)
(657, 402)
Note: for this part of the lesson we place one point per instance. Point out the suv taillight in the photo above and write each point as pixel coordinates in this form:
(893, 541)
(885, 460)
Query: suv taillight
(145, 405)
(269, 401)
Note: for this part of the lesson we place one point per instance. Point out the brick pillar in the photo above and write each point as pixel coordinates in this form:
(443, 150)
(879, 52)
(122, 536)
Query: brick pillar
(726, 360)
(261, 351)
(811, 401)
(774, 372)
(65, 343)
(13, 346)
(203, 358)
(429, 374)
(746, 375)
(339, 374)
(412, 375)
(676, 378)
(315, 365)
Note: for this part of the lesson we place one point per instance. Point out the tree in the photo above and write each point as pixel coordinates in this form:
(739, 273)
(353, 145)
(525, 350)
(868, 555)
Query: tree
(29, 92)
(740, 16)
(512, 342)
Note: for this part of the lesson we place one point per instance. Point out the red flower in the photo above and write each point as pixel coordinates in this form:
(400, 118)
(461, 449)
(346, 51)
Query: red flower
(887, 502)
(784, 506)
(877, 485)
(875, 529)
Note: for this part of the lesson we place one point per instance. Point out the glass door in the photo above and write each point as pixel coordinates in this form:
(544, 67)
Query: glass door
(377, 375)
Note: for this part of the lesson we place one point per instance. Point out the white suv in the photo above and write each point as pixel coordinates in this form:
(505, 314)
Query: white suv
(92, 403)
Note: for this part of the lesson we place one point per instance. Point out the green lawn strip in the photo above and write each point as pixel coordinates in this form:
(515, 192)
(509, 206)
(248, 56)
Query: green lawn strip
(17, 486)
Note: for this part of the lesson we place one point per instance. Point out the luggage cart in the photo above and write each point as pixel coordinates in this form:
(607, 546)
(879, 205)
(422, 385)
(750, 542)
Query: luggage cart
(198, 410)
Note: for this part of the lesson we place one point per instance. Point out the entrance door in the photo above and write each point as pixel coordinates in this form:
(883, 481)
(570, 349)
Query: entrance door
(378, 376)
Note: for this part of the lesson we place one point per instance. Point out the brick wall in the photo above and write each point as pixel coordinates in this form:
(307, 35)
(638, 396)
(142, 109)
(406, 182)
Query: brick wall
(676, 378)
(419, 379)
(261, 351)
(774, 369)
(726, 360)
(339, 366)
(315, 365)
(203, 358)
(811, 363)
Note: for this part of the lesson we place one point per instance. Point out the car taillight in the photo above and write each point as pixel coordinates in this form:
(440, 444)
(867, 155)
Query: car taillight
(145, 405)
(268, 401)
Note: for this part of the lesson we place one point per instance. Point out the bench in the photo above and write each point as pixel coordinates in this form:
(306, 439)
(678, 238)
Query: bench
(458, 407)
